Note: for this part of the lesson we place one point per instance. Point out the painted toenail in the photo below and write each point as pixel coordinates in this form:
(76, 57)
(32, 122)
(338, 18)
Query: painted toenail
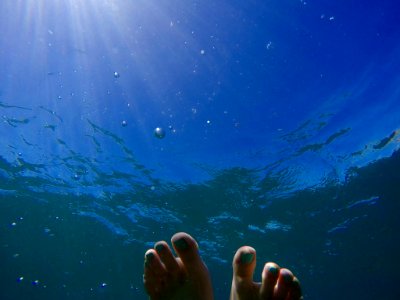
(149, 257)
(160, 247)
(287, 276)
(273, 270)
(181, 244)
(246, 258)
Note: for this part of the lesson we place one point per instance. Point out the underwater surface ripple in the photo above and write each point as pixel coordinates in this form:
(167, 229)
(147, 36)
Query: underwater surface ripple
(91, 220)
(269, 123)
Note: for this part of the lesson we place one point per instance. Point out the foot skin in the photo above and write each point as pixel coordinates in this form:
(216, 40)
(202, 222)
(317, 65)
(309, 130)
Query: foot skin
(277, 283)
(184, 277)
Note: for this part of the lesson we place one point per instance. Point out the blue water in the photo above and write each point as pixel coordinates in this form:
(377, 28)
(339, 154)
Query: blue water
(282, 122)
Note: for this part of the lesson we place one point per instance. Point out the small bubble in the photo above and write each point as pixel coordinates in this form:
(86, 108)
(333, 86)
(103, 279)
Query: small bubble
(19, 279)
(103, 285)
(208, 122)
(13, 224)
(124, 123)
(116, 75)
(35, 282)
(202, 51)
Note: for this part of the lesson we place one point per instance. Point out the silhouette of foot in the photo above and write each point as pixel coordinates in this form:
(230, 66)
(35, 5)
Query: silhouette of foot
(277, 283)
(184, 277)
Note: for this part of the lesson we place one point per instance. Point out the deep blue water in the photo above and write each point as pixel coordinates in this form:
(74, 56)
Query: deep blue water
(282, 123)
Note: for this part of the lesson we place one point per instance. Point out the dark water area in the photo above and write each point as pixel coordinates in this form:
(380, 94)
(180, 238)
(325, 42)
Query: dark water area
(341, 240)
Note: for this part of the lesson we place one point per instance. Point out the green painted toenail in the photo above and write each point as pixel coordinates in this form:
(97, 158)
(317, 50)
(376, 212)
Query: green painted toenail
(181, 244)
(246, 258)
(273, 270)
(160, 247)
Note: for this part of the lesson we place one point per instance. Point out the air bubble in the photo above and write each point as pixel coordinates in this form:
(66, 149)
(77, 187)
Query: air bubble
(159, 132)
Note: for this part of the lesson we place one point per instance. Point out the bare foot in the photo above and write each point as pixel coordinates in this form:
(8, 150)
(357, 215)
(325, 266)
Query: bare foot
(277, 283)
(184, 277)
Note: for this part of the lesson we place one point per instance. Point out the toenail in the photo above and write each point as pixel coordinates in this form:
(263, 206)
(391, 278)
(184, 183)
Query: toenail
(287, 276)
(149, 257)
(246, 258)
(288, 279)
(181, 244)
(273, 270)
(160, 247)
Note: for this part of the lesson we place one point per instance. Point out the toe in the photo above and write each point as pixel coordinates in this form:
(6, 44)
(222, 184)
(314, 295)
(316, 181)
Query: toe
(196, 272)
(283, 285)
(295, 292)
(270, 277)
(154, 274)
(187, 249)
(166, 256)
(153, 264)
(244, 263)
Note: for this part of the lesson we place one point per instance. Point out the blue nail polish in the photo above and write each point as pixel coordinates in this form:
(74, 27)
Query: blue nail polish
(160, 247)
(246, 258)
(273, 270)
(149, 257)
(181, 244)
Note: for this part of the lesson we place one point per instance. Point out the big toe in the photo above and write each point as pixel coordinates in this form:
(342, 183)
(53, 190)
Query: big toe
(244, 263)
(188, 251)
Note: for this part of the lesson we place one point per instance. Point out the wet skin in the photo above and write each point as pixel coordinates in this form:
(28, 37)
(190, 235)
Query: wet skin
(186, 276)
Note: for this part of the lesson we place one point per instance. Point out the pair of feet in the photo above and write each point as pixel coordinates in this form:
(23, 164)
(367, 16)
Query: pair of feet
(186, 277)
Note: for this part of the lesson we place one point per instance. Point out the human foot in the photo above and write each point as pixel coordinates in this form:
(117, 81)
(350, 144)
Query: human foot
(184, 277)
(277, 283)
